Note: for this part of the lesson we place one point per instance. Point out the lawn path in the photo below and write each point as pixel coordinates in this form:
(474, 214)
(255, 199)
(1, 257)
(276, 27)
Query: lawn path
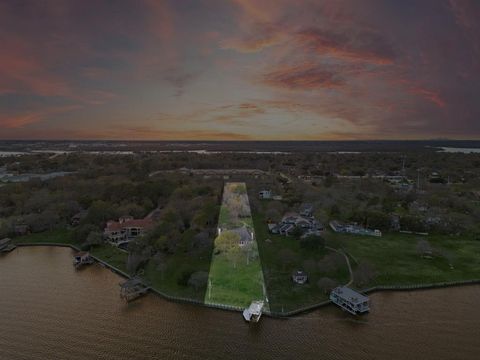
(348, 263)
(236, 276)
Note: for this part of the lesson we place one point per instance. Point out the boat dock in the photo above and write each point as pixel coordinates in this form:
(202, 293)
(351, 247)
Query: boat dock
(350, 300)
(254, 311)
(6, 245)
(133, 289)
(82, 258)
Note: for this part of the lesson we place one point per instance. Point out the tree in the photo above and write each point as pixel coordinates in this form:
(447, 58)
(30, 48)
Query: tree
(297, 232)
(184, 277)
(378, 220)
(424, 248)
(198, 280)
(94, 238)
(364, 274)
(326, 284)
(228, 243)
(81, 232)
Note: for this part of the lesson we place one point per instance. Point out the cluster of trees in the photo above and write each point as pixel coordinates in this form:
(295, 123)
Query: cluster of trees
(186, 228)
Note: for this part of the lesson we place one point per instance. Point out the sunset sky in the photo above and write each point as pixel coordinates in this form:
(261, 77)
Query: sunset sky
(240, 69)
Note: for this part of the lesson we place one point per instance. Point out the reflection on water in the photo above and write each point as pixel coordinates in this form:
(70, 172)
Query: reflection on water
(50, 311)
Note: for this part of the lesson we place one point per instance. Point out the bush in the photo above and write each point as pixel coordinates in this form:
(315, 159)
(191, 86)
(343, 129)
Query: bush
(184, 277)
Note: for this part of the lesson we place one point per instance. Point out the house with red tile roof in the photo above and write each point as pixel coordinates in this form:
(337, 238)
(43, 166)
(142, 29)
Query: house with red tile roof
(127, 229)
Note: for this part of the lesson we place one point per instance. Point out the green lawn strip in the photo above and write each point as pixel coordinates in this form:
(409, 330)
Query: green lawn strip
(60, 236)
(284, 295)
(232, 279)
(235, 285)
(396, 261)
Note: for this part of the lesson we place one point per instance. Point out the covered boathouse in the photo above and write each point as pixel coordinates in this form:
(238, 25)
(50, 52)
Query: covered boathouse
(350, 300)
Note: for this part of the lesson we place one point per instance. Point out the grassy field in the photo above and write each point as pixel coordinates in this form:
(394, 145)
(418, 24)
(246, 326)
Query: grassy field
(284, 295)
(176, 265)
(397, 262)
(235, 276)
(62, 236)
(235, 285)
(111, 255)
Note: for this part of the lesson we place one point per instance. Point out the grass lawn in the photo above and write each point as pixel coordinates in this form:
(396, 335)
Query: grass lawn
(396, 261)
(284, 295)
(61, 236)
(111, 255)
(235, 283)
(235, 276)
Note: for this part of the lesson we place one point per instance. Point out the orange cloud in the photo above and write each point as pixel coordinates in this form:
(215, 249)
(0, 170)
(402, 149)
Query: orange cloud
(429, 95)
(302, 77)
(30, 117)
(363, 47)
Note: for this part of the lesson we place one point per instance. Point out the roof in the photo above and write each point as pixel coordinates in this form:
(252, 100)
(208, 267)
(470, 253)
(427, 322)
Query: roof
(132, 283)
(81, 253)
(299, 273)
(244, 234)
(5, 241)
(256, 307)
(140, 223)
(306, 207)
(350, 295)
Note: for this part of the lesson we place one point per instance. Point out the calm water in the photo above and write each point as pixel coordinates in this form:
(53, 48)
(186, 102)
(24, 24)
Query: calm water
(50, 311)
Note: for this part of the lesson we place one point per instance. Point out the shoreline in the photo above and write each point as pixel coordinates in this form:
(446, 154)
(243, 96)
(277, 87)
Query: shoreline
(277, 315)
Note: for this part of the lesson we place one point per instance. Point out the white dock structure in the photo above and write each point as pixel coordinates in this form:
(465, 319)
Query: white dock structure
(254, 311)
(82, 258)
(350, 300)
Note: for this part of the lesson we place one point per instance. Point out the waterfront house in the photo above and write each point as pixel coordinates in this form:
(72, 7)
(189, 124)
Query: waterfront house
(306, 210)
(350, 300)
(265, 194)
(355, 229)
(78, 217)
(291, 221)
(299, 277)
(126, 229)
(246, 236)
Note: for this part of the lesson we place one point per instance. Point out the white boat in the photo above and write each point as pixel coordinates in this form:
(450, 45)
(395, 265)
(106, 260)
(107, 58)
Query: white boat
(253, 312)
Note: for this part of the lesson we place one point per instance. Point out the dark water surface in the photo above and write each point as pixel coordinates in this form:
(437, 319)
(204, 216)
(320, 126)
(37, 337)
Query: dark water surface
(50, 311)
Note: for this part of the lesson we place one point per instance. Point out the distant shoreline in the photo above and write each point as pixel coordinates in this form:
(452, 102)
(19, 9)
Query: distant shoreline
(128, 147)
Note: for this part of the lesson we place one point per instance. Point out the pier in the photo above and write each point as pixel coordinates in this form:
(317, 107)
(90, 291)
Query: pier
(350, 300)
(133, 289)
(254, 311)
(6, 245)
(82, 258)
